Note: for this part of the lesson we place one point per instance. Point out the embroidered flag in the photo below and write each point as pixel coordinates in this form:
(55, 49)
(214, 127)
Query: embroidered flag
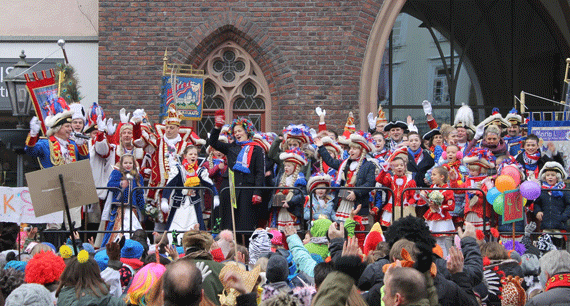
(233, 200)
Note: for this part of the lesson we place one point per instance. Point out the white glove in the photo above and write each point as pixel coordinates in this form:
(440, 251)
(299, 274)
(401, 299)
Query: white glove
(79, 141)
(138, 115)
(164, 205)
(204, 269)
(124, 116)
(34, 126)
(427, 107)
(321, 113)
(372, 121)
(101, 125)
(111, 128)
(479, 131)
(313, 133)
(216, 201)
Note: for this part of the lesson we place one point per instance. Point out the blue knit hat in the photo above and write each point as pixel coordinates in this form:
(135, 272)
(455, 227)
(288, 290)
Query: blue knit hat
(89, 248)
(16, 264)
(102, 259)
(132, 249)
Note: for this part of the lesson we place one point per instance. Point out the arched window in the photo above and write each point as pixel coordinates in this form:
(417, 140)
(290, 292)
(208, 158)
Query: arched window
(235, 83)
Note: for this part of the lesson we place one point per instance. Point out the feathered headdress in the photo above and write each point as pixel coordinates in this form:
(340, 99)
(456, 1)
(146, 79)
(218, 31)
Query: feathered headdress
(69, 85)
(464, 118)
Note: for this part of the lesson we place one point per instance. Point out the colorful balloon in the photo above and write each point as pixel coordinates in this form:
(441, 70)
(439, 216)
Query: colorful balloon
(492, 194)
(505, 183)
(530, 190)
(513, 172)
(499, 204)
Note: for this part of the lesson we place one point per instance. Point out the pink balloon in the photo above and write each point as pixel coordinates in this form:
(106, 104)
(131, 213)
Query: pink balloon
(513, 172)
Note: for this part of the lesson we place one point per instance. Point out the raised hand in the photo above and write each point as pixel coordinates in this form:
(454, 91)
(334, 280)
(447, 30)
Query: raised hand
(35, 126)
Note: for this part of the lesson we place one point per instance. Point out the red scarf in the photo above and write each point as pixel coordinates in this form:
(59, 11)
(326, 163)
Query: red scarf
(558, 280)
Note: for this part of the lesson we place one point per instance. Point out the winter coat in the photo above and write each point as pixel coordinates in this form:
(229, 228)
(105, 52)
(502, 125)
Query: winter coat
(301, 255)
(67, 297)
(419, 170)
(556, 210)
(298, 199)
(555, 297)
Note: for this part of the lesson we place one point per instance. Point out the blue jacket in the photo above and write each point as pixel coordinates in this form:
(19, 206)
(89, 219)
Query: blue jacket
(42, 149)
(556, 210)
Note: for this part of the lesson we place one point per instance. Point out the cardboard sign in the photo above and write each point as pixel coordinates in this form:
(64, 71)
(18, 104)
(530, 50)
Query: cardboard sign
(17, 207)
(514, 210)
(46, 191)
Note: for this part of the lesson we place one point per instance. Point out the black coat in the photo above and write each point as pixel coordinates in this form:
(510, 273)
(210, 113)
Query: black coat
(556, 210)
(366, 177)
(541, 161)
(420, 170)
(246, 214)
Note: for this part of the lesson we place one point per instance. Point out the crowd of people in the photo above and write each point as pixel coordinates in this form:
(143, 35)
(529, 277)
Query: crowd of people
(353, 217)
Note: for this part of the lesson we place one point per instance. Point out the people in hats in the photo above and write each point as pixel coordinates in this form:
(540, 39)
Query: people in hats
(246, 160)
(552, 208)
(396, 131)
(355, 171)
(334, 150)
(167, 145)
(377, 123)
(478, 161)
(58, 148)
(344, 139)
(532, 159)
(288, 203)
(419, 160)
(184, 206)
(320, 200)
(514, 138)
(464, 124)
(395, 175)
(294, 136)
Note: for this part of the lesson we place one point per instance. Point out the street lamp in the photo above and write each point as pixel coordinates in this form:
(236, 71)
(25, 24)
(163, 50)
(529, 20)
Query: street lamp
(20, 101)
(17, 91)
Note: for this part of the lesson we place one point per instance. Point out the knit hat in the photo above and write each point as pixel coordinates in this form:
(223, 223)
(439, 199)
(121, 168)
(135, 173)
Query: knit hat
(277, 269)
(372, 239)
(319, 242)
(50, 245)
(29, 295)
(16, 264)
(530, 264)
(44, 268)
(513, 293)
(132, 249)
(364, 140)
(294, 155)
(102, 259)
(259, 244)
(277, 237)
(89, 248)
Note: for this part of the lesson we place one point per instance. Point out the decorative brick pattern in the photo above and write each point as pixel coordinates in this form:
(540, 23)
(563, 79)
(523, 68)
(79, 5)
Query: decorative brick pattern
(311, 52)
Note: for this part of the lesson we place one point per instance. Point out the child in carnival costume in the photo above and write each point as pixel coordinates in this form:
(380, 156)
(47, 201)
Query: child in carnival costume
(398, 180)
(478, 161)
(294, 136)
(334, 150)
(184, 207)
(514, 139)
(453, 157)
(356, 171)
(290, 210)
(322, 199)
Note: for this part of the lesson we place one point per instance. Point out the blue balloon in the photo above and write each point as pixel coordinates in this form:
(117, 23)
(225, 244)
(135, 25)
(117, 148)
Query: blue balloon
(492, 194)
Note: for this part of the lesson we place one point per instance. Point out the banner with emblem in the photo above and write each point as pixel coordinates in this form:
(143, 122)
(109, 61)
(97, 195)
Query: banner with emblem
(555, 131)
(183, 86)
(43, 92)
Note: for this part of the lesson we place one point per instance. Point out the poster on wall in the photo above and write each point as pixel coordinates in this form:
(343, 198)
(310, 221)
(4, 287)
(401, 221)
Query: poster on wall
(557, 132)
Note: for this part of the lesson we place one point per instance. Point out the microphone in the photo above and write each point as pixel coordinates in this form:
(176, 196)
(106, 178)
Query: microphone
(79, 135)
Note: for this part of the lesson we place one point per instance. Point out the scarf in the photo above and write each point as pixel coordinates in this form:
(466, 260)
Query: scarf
(244, 157)
(498, 149)
(558, 280)
(192, 179)
(555, 193)
(416, 154)
(531, 162)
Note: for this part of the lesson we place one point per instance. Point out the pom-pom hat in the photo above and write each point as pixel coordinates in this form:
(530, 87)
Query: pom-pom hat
(317, 179)
(294, 155)
(364, 140)
(262, 140)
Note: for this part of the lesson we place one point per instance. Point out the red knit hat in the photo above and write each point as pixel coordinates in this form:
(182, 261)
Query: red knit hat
(44, 268)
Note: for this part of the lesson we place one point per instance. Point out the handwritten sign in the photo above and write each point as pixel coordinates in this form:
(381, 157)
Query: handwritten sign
(513, 206)
(17, 207)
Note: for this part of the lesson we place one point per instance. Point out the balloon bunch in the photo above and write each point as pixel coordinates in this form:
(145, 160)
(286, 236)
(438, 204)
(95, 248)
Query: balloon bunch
(510, 179)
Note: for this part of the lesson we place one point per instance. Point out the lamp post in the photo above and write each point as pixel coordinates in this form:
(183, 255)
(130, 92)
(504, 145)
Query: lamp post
(20, 101)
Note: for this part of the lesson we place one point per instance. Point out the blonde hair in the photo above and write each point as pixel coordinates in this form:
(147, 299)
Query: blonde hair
(360, 161)
(134, 172)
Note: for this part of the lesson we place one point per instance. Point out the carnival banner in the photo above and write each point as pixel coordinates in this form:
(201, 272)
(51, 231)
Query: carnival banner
(513, 210)
(557, 132)
(17, 207)
(43, 93)
(186, 93)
